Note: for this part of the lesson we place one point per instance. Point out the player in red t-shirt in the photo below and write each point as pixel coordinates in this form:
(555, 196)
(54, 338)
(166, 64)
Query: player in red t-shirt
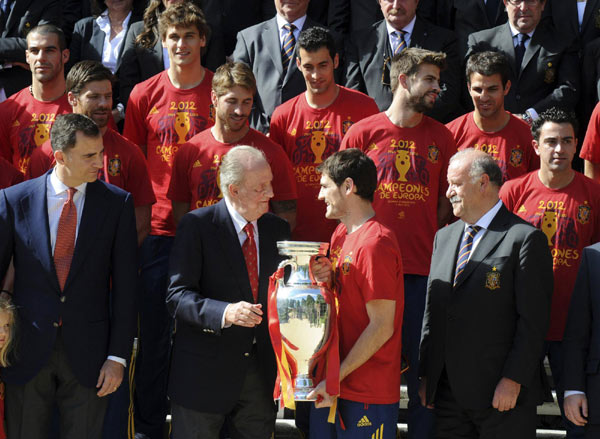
(9, 175)
(367, 266)
(194, 183)
(311, 126)
(590, 150)
(27, 116)
(490, 127)
(565, 205)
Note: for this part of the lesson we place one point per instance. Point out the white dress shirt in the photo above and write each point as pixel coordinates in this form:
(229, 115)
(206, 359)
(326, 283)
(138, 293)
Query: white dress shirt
(111, 48)
(299, 23)
(57, 195)
(483, 222)
(408, 29)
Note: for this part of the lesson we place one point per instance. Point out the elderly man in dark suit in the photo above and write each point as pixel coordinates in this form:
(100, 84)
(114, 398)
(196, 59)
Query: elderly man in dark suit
(269, 49)
(223, 366)
(369, 55)
(544, 62)
(487, 312)
(582, 347)
(73, 241)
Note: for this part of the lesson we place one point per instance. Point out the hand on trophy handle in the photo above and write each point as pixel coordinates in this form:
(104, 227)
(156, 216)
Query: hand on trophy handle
(243, 314)
(323, 399)
(321, 269)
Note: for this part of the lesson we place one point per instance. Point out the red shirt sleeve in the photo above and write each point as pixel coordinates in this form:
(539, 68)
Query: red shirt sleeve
(135, 125)
(6, 116)
(138, 179)
(590, 150)
(180, 186)
(41, 160)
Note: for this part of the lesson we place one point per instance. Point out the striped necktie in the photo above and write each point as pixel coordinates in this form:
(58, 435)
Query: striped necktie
(287, 49)
(464, 253)
(65, 238)
(398, 41)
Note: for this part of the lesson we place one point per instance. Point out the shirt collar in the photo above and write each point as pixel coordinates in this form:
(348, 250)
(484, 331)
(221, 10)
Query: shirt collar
(408, 28)
(104, 22)
(514, 32)
(486, 219)
(299, 23)
(239, 222)
(59, 187)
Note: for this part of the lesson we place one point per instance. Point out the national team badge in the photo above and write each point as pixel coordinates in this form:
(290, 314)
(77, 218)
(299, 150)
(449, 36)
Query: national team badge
(492, 280)
(346, 125)
(114, 166)
(433, 153)
(550, 74)
(516, 157)
(583, 213)
(346, 264)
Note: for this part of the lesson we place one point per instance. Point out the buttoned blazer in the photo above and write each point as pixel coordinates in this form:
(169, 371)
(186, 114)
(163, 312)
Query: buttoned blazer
(96, 309)
(207, 272)
(493, 323)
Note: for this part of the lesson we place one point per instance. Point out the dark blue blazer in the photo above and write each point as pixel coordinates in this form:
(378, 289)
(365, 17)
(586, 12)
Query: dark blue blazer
(207, 272)
(582, 335)
(97, 306)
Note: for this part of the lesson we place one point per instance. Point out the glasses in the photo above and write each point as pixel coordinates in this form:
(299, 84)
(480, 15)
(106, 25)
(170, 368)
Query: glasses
(520, 2)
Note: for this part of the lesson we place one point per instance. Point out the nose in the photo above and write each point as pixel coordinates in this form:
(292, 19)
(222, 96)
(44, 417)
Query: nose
(269, 191)
(449, 192)
(99, 161)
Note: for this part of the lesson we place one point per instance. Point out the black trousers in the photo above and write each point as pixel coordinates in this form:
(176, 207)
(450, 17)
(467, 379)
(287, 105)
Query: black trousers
(30, 408)
(456, 422)
(253, 416)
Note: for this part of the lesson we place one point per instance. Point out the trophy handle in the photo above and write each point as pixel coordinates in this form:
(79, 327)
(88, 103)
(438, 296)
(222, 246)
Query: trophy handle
(287, 263)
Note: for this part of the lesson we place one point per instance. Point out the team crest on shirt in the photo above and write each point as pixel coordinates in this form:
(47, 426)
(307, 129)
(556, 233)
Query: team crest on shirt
(114, 166)
(492, 279)
(583, 213)
(550, 74)
(433, 153)
(346, 125)
(516, 157)
(346, 264)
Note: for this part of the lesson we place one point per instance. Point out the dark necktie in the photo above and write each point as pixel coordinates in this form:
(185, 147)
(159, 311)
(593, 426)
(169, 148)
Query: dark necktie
(398, 42)
(4, 13)
(287, 49)
(466, 246)
(249, 250)
(65, 239)
(520, 50)
(491, 10)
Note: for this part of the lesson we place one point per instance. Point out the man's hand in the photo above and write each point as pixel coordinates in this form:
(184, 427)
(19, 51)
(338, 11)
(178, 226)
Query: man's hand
(423, 393)
(576, 409)
(321, 269)
(110, 377)
(506, 394)
(324, 399)
(243, 314)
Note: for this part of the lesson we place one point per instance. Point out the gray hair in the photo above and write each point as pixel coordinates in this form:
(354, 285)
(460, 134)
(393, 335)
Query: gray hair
(235, 163)
(481, 163)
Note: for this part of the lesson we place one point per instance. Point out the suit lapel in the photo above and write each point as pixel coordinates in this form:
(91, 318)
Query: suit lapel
(271, 38)
(590, 7)
(451, 245)
(97, 40)
(505, 44)
(419, 34)
(35, 211)
(533, 48)
(18, 10)
(94, 211)
(232, 249)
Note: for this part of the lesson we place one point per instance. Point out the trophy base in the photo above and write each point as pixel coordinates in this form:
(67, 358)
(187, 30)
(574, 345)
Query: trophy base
(303, 385)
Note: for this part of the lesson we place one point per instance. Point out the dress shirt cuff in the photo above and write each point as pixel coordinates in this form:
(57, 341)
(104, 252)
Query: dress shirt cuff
(534, 114)
(223, 326)
(573, 392)
(118, 360)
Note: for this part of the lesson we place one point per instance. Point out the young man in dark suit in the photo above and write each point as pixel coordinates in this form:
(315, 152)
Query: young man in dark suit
(73, 240)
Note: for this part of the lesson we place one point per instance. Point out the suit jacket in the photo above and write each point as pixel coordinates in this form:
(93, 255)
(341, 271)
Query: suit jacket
(368, 58)
(493, 323)
(207, 272)
(348, 16)
(259, 47)
(97, 305)
(564, 15)
(24, 16)
(581, 342)
(549, 75)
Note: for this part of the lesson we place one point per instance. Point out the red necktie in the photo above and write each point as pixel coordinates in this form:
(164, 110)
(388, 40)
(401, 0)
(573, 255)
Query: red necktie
(249, 250)
(65, 239)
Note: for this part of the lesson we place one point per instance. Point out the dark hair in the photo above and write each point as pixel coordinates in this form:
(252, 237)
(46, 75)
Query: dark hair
(554, 115)
(45, 29)
(63, 133)
(408, 62)
(183, 15)
(488, 63)
(84, 72)
(149, 34)
(313, 38)
(355, 164)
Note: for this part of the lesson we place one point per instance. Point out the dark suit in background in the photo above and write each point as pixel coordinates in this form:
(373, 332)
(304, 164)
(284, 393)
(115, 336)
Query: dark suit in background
(24, 15)
(581, 341)
(493, 323)
(348, 16)
(549, 75)
(207, 272)
(368, 60)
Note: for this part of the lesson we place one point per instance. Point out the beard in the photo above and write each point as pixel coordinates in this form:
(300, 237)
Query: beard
(418, 104)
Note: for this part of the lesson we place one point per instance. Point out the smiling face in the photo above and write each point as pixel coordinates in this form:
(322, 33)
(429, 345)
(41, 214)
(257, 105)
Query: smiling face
(465, 192)
(556, 147)
(46, 60)
(94, 101)
(291, 10)
(318, 69)
(487, 93)
(526, 16)
(233, 108)
(398, 13)
(423, 88)
(333, 196)
(184, 45)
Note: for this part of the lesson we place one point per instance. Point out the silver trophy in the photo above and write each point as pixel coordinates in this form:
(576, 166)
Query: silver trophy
(304, 316)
